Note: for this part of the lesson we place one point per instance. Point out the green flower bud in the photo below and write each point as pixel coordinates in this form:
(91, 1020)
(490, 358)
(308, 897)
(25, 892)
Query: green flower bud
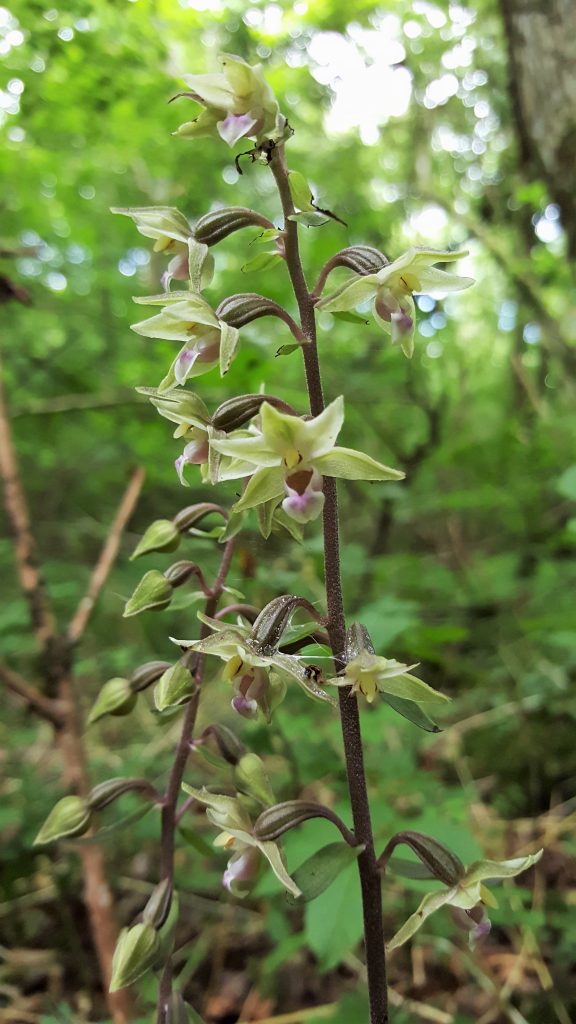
(174, 687)
(192, 515)
(251, 778)
(218, 224)
(241, 309)
(158, 907)
(136, 952)
(115, 698)
(161, 535)
(70, 817)
(146, 674)
(106, 792)
(153, 592)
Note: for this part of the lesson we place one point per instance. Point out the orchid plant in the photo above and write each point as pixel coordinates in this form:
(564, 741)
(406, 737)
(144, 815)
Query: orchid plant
(288, 462)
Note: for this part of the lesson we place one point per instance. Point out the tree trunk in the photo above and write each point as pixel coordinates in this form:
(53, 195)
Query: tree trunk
(541, 39)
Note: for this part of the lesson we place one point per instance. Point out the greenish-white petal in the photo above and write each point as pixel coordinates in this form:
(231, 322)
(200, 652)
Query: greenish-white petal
(229, 337)
(432, 901)
(484, 869)
(347, 464)
(350, 295)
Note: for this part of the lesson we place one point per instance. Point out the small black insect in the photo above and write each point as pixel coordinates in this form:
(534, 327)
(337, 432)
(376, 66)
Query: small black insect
(314, 674)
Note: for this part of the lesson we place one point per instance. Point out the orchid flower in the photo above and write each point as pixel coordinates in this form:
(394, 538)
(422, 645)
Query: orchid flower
(392, 289)
(259, 676)
(187, 317)
(173, 236)
(238, 104)
(229, 814)
(370, 674)
(289, 456)
(467, 895)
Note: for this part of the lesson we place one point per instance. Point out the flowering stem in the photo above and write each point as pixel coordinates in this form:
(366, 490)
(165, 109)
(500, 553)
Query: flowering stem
(170, 801)
(369, 875)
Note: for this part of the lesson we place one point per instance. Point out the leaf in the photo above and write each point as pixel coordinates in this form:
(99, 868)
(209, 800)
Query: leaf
(300, 191)
(412, 711)
(409, 869)
(195, 841)
(349, 317)
(566, 483)
(321, 869)
(310, 220)
(286, 350)
(333, 922)
(262, 261)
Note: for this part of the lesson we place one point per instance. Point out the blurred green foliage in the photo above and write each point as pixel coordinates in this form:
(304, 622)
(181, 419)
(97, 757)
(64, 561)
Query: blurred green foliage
(468, 567)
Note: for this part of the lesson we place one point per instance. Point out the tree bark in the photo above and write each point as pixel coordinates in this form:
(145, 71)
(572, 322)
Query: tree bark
(541, 40)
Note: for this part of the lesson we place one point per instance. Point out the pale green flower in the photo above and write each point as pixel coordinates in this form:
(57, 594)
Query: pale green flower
(238, 104)
(259, 677)
(188, 318)
(392, 289)
(229, 814)
(173, 236)
(468, 895)
(289, 456)
(370, 674)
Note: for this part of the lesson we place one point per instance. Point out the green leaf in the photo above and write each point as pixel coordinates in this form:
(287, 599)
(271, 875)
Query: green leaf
(287, 350)
(566, 483)
(409, 869)
(412, 711)
(333, 921)
(350, 318)
(321, 869)
(262, 261)
(300, 191)
(310, 220)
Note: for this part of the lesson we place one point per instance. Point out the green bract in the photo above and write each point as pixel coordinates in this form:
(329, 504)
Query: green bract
(289, 456)
(161, 535)
(392, 289)
(467, 894)
(229, 814)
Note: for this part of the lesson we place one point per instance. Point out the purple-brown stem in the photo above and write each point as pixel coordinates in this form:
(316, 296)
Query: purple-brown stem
(170, 802)
(350, 720)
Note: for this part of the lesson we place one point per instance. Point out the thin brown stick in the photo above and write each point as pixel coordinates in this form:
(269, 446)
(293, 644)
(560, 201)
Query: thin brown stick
(24, 544)
(43, 706)
(106, 558)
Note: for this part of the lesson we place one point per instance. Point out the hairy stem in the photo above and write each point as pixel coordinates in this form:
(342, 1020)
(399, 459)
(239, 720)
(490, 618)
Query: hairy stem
(349, 717)
(170, 802)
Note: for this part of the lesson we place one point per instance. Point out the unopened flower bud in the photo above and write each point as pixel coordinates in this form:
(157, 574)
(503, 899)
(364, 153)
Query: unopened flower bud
(136, 952)
(153, 592)
(251, 777)
(192, 515)
(180, 572)
(238, 310)
(218, 224)
(235, 412)
(146, 674)
(161, 535)
(231, 748)
(106, 792)
(115, 698)
(274, 618)
(70, 817)
(364, 259)
(440, 861)
(274, 821)
(158, 907)
(174, 687)
(358, 641)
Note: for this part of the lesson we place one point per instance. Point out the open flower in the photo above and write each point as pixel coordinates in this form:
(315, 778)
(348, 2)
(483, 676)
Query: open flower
(370, 674)
(289, 456)
(187, 317)
(468, 895)
(258, 674)
(392, 289)
(229, 814)
(173, 236)
(238, 104)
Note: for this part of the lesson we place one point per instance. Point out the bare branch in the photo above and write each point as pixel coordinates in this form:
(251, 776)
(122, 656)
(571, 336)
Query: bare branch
(106, 558)
(50, 710)
(24, 543)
